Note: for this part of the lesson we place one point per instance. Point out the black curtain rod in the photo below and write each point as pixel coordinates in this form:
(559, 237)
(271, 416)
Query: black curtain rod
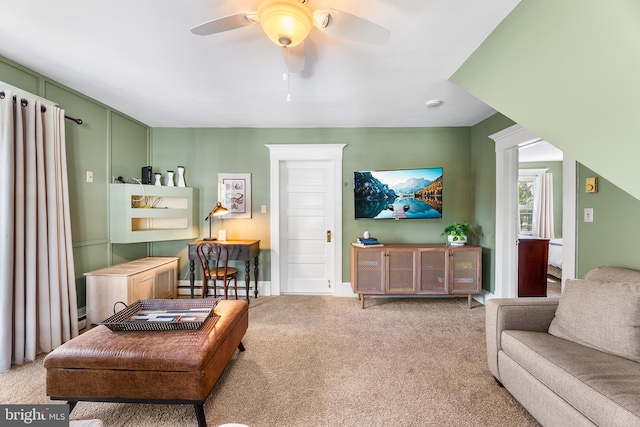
(24, 103)
(78, 121)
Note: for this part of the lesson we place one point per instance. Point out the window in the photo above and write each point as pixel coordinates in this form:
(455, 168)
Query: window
(526, 188)
(529, 182)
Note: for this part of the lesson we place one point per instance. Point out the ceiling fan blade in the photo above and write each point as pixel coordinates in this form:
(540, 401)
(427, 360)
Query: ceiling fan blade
(348, 26)
(226, 23)
(294, 58)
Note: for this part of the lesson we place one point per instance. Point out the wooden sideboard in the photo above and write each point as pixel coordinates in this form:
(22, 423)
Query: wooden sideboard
(416, 269)
(145, 278)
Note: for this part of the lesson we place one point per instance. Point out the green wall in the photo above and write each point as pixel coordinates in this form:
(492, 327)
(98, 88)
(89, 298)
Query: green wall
(111, 144)
(106, 140)
(612, 237)
(207, 152)
(567, 70)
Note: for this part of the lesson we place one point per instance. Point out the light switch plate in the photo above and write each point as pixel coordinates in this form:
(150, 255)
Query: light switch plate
(588, 214)
(592, 185)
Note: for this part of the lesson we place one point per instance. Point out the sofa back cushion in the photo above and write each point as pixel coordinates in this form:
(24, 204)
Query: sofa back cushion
(600, 315)
(613, 274)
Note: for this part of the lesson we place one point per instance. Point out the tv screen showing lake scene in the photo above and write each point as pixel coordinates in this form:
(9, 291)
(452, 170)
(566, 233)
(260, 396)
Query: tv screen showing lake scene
(398, 194)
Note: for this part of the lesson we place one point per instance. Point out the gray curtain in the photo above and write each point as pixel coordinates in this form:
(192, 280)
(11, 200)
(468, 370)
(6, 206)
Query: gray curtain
(38, 309)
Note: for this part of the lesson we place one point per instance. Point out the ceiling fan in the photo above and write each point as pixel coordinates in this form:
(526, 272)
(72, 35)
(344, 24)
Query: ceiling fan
(288, 22)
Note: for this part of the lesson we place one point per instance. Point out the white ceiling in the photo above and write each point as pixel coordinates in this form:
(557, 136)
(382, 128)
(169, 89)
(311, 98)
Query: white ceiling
(539, 152)
(139, 57)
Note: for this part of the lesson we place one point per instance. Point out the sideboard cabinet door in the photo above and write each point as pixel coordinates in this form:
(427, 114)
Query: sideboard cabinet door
(401, 271)
(466, 263)
(368, 270)
(434, 271)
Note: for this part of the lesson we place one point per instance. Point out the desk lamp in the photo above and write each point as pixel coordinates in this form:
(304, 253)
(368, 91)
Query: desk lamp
(219, 210)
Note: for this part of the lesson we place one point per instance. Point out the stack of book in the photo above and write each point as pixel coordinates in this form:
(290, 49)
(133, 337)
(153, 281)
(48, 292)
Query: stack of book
(370, 242)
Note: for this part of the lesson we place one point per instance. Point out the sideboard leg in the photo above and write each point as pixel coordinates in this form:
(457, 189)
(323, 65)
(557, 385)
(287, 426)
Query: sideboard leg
(470, 299)
(362, 300)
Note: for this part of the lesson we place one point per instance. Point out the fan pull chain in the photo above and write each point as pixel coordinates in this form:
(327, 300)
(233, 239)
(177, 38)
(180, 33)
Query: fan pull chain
(285, 74)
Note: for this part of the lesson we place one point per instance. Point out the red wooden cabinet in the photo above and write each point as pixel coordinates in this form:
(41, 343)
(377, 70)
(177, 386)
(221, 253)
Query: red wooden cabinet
(533, 258)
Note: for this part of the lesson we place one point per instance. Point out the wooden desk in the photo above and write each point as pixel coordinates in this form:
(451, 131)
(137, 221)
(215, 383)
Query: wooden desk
(242, 250)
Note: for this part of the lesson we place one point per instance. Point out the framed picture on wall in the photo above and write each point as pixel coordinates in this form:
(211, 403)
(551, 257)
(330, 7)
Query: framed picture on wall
(234, 192)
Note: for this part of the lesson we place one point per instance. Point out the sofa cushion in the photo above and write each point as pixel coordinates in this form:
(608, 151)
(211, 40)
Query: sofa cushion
(613, 274)
(604, 316)
(603, 387)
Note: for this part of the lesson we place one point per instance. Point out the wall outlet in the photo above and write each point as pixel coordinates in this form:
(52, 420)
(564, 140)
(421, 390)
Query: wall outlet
(263, 209)
(89, 176)
(588, 214)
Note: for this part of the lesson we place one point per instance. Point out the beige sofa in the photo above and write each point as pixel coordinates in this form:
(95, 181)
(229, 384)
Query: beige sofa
(573, 360)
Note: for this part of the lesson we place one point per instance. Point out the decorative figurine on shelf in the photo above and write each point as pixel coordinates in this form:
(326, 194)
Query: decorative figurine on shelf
(181, 182)
(366, 235)
(170, 179)
(158, 178)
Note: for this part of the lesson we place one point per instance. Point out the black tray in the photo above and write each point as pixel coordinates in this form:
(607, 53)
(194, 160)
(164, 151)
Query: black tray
(163, 315)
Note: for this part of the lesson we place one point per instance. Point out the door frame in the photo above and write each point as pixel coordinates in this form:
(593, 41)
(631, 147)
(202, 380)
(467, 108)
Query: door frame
(299, 152)
(507, 143)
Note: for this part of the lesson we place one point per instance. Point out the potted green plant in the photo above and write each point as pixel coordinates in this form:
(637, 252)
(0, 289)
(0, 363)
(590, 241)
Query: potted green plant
(457, 232)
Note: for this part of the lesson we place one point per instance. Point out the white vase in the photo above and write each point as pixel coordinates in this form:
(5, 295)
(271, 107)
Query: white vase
(181, 182)
(462, 240)
(170, 179)
(158, 179)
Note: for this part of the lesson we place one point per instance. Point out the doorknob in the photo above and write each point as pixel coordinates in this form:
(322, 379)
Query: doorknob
(328, 236)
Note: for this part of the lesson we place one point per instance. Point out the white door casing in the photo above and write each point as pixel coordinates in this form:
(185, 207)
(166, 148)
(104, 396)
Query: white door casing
(280, 156)
(508, 141)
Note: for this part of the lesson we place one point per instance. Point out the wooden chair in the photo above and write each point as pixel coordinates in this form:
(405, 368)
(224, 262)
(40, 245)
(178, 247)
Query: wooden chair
(214, 261)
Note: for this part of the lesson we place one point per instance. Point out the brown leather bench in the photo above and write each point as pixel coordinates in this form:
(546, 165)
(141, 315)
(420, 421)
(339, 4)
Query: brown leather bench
(148, 367)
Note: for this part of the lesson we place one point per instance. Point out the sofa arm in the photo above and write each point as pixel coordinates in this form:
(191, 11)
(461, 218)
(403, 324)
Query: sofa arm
(525, 314)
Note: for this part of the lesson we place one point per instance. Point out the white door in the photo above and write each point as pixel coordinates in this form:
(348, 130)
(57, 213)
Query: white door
(306, 224)
(322, 155)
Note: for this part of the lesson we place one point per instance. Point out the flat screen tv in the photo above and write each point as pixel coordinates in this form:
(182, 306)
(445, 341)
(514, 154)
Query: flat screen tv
(398, 194)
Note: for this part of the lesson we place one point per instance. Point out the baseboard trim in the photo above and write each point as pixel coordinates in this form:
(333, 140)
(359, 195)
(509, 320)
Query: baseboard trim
(82, 318)
(184, 288)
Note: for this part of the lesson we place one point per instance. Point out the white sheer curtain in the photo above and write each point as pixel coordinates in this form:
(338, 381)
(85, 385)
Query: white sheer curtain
(545, 212)
(38, 309)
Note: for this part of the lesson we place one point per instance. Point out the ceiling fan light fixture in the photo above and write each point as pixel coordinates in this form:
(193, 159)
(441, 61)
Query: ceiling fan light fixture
(285, 21)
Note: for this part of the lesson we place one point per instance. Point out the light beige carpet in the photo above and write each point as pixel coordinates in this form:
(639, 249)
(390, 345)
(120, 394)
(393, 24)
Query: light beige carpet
(323, 361)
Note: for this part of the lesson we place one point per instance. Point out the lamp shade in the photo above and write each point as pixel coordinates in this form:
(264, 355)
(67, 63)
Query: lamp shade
(286, 22)
(219, 210)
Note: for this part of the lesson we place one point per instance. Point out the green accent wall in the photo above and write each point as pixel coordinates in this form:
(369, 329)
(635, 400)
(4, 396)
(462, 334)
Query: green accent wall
(568, 71)
(543, 67)
(106, 140)
(611, 239)
(207, 152)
